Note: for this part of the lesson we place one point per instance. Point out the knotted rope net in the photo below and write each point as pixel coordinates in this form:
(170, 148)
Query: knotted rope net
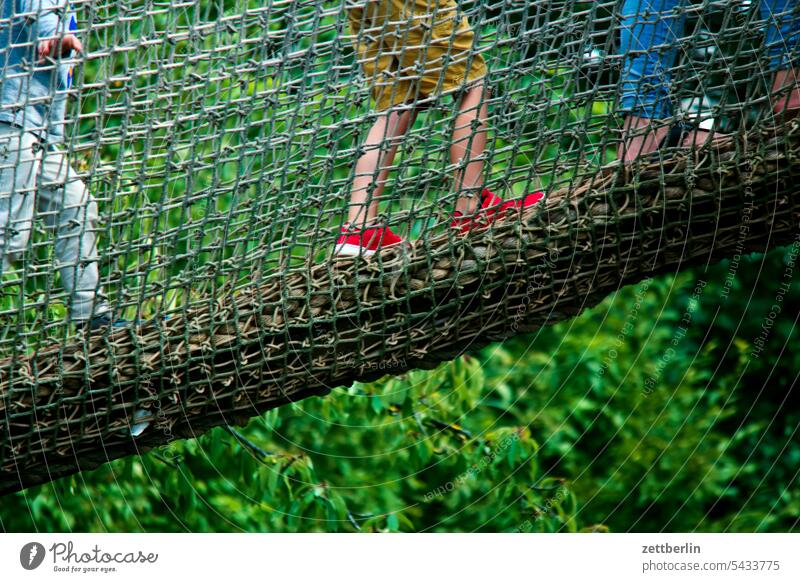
(219, 141)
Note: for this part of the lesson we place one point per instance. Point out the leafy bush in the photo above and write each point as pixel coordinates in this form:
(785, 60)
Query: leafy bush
(616, 420)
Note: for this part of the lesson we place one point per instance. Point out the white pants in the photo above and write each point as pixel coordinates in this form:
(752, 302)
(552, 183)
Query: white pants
(36, 180)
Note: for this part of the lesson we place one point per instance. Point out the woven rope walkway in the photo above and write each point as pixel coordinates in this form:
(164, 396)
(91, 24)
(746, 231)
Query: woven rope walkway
(309, 330)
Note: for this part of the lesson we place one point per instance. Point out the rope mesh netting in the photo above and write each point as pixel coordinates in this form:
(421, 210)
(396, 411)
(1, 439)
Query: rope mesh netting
(219, 140)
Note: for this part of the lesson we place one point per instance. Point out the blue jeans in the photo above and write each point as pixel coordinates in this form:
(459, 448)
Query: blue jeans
(650, 29)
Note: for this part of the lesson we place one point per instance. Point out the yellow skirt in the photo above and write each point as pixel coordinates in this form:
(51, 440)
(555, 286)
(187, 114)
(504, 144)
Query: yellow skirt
(413, 49)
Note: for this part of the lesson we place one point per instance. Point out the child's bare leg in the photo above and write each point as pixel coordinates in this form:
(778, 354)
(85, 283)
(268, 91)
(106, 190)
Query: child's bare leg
(641, 137)
(468, 146)
(372, 168)
(788, 104)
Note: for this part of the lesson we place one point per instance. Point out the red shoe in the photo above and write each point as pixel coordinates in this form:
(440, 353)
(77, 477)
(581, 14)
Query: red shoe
(492, 208)
(365, 242)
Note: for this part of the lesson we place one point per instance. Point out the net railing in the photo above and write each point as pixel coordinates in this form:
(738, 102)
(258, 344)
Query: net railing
(218, 144)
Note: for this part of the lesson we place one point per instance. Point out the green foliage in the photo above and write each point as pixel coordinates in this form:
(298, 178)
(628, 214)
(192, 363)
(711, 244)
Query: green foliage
(648, 412)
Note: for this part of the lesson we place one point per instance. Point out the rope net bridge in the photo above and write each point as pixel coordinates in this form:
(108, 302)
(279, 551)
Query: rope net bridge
(219, 141)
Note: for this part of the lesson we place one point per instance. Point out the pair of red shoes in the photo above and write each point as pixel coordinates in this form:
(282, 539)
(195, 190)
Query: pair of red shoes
(370, 240)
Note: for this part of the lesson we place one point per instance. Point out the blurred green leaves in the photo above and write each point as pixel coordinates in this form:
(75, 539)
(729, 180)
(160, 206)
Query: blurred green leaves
(523, 436)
